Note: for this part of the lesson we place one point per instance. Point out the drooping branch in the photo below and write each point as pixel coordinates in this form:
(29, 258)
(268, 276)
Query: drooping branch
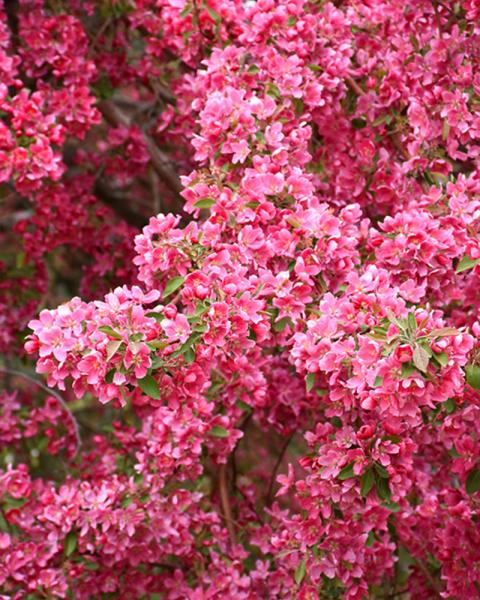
(56, 395)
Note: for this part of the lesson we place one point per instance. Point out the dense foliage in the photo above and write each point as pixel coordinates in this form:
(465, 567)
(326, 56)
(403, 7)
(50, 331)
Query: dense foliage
(270, 389)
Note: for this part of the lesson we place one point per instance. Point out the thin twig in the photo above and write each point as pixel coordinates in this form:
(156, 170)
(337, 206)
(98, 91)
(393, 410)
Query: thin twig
(437, 18)
(353, 85)
(225, 502)
(56, 396)
(269, 496)
(428, 576)
(203, 33)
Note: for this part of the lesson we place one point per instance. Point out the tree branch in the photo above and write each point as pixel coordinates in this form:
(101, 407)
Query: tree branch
(269, 496)
(225, 502)
(119, 203)
(160, 161)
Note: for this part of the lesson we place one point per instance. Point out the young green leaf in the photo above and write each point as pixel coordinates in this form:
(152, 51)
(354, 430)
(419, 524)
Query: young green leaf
(204, 203)
(441, 358)
(450, 405)
(243, 406)
(383, 489)
(213, 14)
(472, 484)
(381, 471)
(406, 370)
(70, 543)
(359, 123)
(421, 358)
(280, 325)
(149, 386)
(466, 263)
(366, 482)
(309, 381)
(473, 376)
(189, 355)
(412, 322)
(173, 285)
(443, 331)
(346, 472)
(155, 315)
(300, 572)
(112, 348)
(393, 506)
(109, 331)
(218, 431)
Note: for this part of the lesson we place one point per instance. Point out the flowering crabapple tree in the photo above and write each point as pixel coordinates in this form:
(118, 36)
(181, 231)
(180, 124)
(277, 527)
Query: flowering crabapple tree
(240, 246)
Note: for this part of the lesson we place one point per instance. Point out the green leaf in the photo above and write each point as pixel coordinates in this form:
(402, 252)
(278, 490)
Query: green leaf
(407, 370)
(378, 381)
(424, 344)
(441, 358)
(149, 386)
(383, 489)
(187, 345)
(189, 355)
(366, 482)
(359, 123)
(382, 119)
(370, 539)
(3, 524)
(313, 67)
(186, 11)
(412, 322)
(204, 203)
(11, 502)
(473, 376)
(421, 358)
(280, 325)
(381, 470)
(300, 572)
(450, 405)
(243, 406)
(443, 331)
(218, 431)
(393, 506)
(109, 331)
(346, 472)
(213, 15)
(173, 285)
(309, 381)
(112, 348)
(109, 375)
(70, 543)
(472, 484)
(155, 315)
(466, 263)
